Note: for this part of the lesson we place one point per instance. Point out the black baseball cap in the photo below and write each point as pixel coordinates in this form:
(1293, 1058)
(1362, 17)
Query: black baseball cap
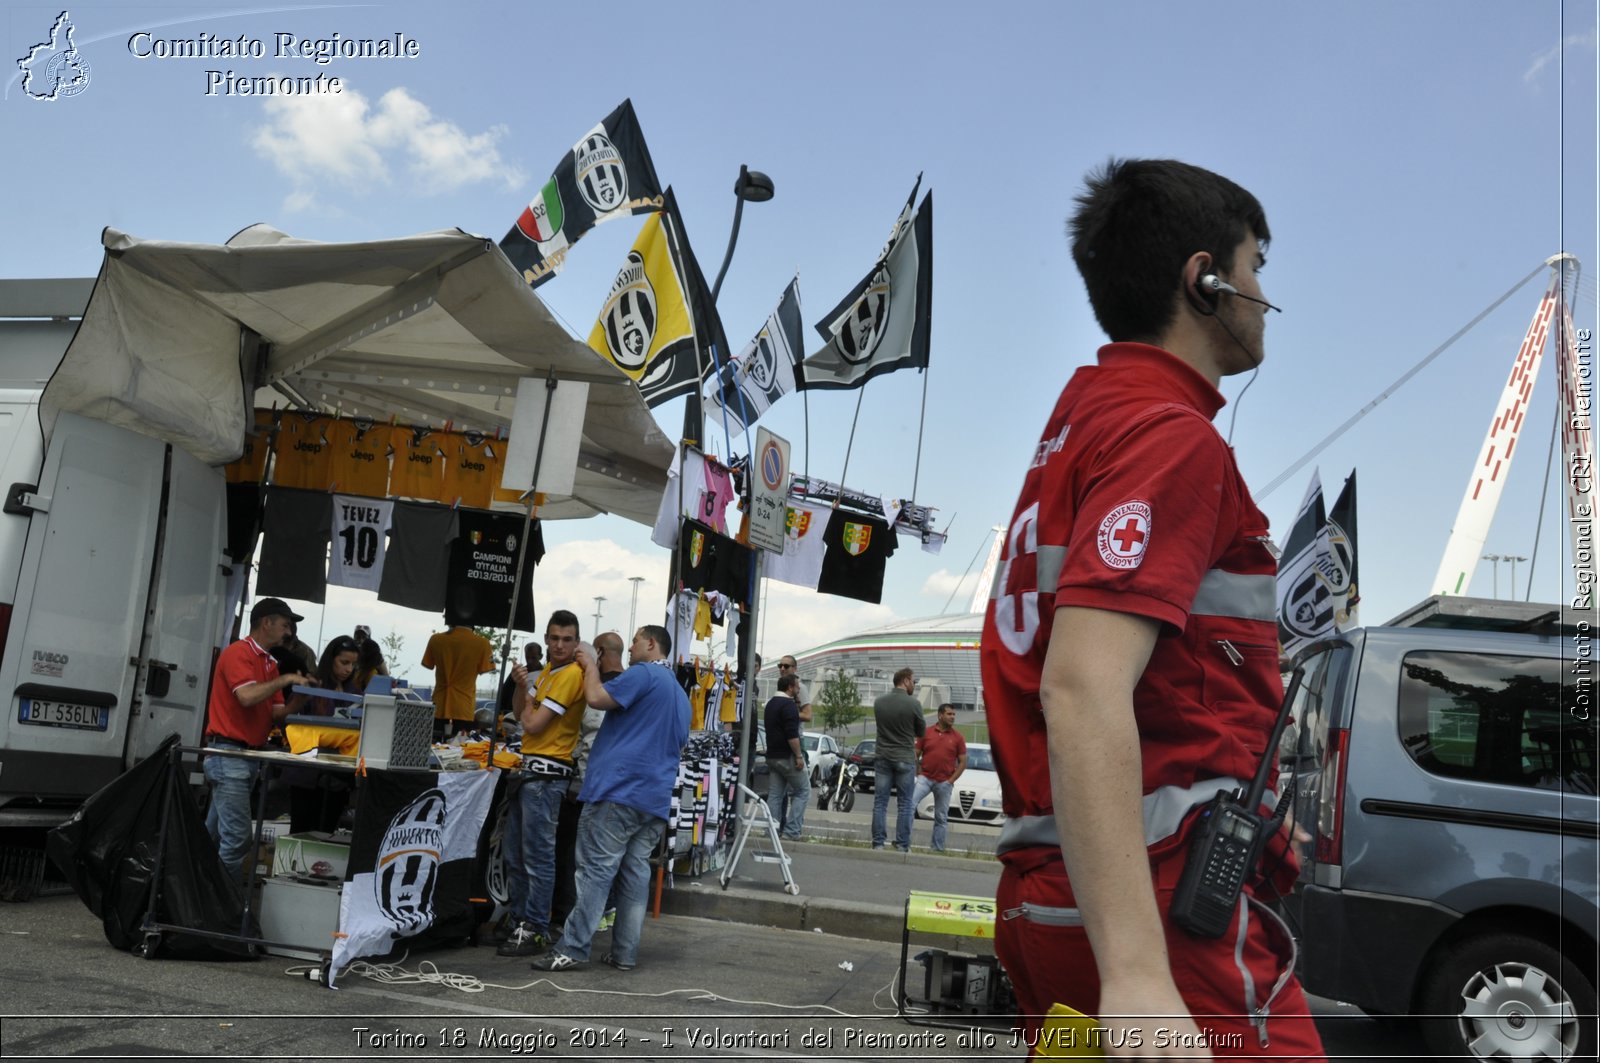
(273, 607)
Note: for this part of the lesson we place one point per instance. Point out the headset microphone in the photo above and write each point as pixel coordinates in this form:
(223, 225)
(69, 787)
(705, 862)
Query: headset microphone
(1210, 284)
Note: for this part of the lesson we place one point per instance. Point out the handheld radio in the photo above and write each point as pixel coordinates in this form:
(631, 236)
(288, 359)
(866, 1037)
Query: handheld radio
(1227, 844)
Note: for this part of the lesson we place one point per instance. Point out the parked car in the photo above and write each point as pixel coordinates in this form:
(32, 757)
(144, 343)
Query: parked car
(1451, 793)
(822, 754)
(976, 796)
(864, 756)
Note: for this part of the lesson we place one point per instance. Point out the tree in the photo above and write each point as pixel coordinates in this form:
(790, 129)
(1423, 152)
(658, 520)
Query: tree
(493, 634)
(839, 702)
(393, 643)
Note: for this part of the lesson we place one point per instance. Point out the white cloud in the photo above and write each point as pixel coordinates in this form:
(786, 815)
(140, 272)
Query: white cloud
(942, 583)
(1587, 39)
(341, 139)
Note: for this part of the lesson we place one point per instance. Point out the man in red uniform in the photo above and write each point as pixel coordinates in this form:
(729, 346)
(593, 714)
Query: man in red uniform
(246, 700)
(1130, 649)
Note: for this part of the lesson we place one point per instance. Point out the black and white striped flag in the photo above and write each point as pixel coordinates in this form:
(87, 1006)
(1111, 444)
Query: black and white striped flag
(764, 371)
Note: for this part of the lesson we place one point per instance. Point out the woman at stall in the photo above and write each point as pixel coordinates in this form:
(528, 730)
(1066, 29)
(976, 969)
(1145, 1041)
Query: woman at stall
(318, 798)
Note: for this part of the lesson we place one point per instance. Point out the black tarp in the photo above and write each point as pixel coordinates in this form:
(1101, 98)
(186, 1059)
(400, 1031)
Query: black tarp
(107, 851)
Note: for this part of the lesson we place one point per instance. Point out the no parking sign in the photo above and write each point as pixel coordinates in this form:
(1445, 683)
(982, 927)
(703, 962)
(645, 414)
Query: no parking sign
(769, 493)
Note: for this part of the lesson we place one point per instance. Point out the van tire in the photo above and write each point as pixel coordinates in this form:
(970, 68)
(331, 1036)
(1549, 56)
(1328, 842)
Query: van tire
(1492, 967)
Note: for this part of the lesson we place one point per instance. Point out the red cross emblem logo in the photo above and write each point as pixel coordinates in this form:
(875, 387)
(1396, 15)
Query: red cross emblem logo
(1124, 534)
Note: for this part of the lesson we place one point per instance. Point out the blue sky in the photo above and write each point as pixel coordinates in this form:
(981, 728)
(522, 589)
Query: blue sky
(1414, 160)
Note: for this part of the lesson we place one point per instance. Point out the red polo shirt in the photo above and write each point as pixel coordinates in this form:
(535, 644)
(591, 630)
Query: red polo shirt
(1133, 504)
(940, 752)
(239, 665)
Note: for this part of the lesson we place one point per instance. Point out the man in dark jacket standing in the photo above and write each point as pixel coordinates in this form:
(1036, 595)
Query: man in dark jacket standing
(900, 724)
(786, 758)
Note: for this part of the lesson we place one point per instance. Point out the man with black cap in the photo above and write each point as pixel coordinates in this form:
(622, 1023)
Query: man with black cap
(246, 700)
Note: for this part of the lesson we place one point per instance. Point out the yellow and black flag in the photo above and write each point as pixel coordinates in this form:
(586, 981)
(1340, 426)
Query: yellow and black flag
(659, 323)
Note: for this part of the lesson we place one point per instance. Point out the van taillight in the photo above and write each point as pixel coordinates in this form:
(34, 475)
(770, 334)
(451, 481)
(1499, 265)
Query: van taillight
(1330, 816)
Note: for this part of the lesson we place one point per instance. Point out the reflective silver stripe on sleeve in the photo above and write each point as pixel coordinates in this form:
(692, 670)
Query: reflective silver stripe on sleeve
(1051, 559)
(1164, 810)
(1231, 594)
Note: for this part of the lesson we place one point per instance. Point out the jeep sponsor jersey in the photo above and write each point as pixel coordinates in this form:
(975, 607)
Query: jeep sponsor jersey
(419, 461)
(473, 470)
(858, 549)
(300, 452)
(457, 657)
(360, 537)
(1133, 504)
(249, 466)
(804, 529)
(359, 464)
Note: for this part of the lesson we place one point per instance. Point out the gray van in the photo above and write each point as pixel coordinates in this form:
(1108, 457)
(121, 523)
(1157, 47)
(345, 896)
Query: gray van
(1445, 765)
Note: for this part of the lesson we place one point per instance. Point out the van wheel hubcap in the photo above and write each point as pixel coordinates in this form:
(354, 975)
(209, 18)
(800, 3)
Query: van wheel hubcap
(1516, 1009)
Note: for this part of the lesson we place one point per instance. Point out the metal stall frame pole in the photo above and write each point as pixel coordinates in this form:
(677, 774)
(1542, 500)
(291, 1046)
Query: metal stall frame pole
(522, 552)
(747, 660)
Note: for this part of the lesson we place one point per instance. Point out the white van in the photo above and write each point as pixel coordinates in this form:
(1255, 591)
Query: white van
(112, 581)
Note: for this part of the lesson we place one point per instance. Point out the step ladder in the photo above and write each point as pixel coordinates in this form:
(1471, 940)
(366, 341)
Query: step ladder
(757, 816)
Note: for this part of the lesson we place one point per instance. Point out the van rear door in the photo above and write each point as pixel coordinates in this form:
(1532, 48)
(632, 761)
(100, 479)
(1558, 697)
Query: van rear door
(78, 625)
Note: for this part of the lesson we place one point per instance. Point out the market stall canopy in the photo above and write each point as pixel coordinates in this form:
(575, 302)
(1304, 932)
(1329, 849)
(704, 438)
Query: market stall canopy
(179, 341)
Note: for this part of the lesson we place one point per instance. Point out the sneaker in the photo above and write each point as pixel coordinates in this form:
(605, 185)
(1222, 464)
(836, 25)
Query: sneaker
(505, 927)
(878, 846)
(557, 961)
(524, 941)
(607, 920)
(611, 961)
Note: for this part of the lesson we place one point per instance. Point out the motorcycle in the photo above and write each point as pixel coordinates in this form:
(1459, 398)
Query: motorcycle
(839, 789)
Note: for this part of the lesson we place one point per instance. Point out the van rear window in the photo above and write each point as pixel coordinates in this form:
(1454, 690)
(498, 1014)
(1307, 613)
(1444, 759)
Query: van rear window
(1497, 718)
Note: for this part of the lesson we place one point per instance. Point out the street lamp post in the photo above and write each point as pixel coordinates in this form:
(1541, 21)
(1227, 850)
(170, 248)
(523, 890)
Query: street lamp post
(633, 609)
(1514, 561)
(1496, 559)
(599, 600)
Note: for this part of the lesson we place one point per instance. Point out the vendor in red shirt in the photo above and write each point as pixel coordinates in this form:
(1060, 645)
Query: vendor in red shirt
(246, 700)
(942, 757)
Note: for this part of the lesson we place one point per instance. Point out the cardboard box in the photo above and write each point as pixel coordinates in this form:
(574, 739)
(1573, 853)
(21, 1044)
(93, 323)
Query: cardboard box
(298, 856)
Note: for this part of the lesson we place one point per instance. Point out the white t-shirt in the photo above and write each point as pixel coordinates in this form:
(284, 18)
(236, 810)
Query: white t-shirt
(803, 547)
(360, 538)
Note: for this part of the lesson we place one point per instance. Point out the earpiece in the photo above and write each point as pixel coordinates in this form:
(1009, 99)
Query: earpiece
(1203, 295)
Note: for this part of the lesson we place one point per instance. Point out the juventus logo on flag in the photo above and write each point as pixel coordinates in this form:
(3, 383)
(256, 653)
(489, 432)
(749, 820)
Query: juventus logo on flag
(764, 371)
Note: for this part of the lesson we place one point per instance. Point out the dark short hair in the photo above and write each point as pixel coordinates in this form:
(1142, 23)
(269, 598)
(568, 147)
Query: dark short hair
(947, 705)
(658, 634)
(902, 675)
(787, 683)
(1138, 221)
(562, 618)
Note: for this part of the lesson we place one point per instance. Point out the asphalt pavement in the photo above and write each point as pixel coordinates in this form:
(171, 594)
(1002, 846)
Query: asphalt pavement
(747, 972)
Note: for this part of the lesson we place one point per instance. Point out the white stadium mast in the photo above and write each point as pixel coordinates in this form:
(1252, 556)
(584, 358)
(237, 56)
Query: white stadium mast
(1488, 477)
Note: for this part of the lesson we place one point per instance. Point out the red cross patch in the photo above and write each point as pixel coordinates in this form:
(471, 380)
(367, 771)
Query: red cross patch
(1124, 534)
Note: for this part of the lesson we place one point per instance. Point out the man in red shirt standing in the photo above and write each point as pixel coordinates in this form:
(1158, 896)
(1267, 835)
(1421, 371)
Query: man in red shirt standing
(1129, 651)
(246, 700)
(943, 757)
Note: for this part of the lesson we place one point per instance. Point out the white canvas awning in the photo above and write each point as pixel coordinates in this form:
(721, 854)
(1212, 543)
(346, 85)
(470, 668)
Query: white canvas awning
(426, 329)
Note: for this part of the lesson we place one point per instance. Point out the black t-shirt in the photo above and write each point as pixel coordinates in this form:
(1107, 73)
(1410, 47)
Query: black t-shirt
(711, 561)
(783, 723)
(483, 565)
(858, 548)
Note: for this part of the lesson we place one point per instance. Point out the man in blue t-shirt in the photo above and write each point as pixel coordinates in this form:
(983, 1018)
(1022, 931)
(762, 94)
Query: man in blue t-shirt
(627, 797)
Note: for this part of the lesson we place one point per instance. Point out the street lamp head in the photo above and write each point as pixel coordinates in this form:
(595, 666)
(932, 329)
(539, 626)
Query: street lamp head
(753, 186)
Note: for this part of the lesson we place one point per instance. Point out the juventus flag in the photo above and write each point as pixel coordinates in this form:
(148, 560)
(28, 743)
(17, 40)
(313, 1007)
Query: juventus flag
(1342, 541)
(659, 322)
(764, 371)
(883, 324)
(412, 857)
(1306, 575)
(606, 174)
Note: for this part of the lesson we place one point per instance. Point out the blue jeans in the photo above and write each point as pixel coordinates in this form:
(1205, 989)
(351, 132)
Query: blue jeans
(941, 806)
(228, 819)
(902, 775)
(783, 778)
(614, 846)
(529, 844)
